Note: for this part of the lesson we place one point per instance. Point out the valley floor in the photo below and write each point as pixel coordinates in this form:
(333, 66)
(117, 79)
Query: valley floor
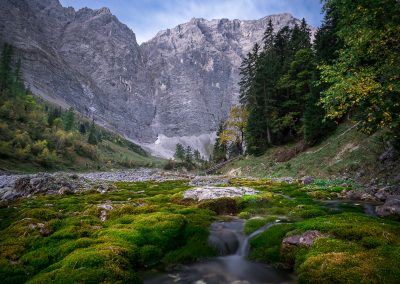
(92, 231)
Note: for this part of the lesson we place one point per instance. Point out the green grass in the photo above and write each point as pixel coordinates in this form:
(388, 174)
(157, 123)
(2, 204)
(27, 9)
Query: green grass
(61, 239)
(346, 151)
(143, 230)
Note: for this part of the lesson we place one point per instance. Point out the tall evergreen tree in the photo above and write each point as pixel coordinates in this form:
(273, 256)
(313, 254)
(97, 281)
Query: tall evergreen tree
(69, 119)
(179, 152)
(220, 147)
(6, 76)
(92, 138)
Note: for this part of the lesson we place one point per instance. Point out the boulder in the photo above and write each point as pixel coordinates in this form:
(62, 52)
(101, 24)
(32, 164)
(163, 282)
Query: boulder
(305, 239)
(358, 194)
(384, 192)
(212, 192)
(290, 244)
(391, 207)
(64, 190)
(23, 185)
(224, 241)
(307, 180)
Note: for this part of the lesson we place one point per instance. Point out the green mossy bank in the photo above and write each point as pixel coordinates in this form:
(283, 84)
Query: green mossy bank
(117, 236)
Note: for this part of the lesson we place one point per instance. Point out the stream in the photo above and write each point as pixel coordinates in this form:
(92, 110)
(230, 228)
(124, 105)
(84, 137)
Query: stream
(232, 268)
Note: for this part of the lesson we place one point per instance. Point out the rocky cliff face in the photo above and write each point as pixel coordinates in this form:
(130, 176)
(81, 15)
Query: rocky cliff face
(175, 88)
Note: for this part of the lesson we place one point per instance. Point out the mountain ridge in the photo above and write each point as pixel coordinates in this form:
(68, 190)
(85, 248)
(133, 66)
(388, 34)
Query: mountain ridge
(174, 88)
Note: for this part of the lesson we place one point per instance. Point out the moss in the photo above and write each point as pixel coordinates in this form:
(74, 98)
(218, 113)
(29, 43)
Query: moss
(266, 246)
(151, 226)
(254, 224)
(221, 206)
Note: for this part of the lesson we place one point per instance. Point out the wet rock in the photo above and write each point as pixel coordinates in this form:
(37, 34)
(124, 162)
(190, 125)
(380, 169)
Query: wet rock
(368, 197)
(107, 207)
(305, 239)
(211, 192)
(225, 242)
(23, 185)
(65, 191)
(43, 229)
(383, 193)
(8, 193)
(224, 236)
(307, 180)
(103, 213)
(391, 207)
(290, 244)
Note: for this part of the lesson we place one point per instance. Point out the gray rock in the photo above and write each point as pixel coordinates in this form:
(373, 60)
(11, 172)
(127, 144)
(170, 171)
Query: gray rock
(181, 83)
(289, 244)
(391, 207)
(307, 180)
(383, 193)
(212, 192)
(224, 236)
(305, 239)
(64, 190)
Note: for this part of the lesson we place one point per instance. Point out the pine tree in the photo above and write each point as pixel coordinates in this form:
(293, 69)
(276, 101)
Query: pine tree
(69, 119)
(197, 156)
(188, 156)
(6, 76)
(179, 152)
(82, 129)
(92, 139)
(220, 147)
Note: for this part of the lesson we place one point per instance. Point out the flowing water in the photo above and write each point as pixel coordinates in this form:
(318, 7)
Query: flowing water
(233, 268)
(368, 207)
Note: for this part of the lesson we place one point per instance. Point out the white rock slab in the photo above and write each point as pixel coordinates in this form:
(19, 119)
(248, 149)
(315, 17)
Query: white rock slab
(212, 192)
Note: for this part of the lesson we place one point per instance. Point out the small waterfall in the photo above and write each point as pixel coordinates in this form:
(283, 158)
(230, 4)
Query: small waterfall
(244, 247)
(232, 267)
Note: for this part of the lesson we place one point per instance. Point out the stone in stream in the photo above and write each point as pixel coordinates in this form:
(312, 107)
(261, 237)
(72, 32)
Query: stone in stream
(213, 192)
(391, 207)
(224, 236)
(384, 192)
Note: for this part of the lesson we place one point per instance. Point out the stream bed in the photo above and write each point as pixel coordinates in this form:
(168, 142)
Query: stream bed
(232, 267)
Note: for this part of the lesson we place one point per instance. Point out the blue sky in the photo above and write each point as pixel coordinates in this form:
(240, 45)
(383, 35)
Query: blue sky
(147, 17)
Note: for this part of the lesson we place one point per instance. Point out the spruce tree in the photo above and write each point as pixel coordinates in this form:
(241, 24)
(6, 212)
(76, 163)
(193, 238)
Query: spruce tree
(69, 120)
(6, 75)
(92, 138)
(179, 152)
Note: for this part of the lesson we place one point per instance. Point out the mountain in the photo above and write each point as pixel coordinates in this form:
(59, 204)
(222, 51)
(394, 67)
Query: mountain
(176, 87)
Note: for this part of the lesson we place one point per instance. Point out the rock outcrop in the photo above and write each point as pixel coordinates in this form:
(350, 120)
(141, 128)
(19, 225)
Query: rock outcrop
(213, 192)
(176, 87)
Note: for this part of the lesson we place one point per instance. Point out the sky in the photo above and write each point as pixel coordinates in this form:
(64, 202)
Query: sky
(147, 17)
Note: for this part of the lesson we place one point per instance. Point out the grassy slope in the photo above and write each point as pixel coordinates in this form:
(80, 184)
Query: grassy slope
(111, 156)
(113, 152)
(347, 152)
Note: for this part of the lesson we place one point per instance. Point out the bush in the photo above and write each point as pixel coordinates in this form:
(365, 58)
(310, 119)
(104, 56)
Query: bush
(86, 150)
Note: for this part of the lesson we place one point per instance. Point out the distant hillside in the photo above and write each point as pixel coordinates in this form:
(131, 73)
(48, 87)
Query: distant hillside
(347, 153)
(36, 135)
